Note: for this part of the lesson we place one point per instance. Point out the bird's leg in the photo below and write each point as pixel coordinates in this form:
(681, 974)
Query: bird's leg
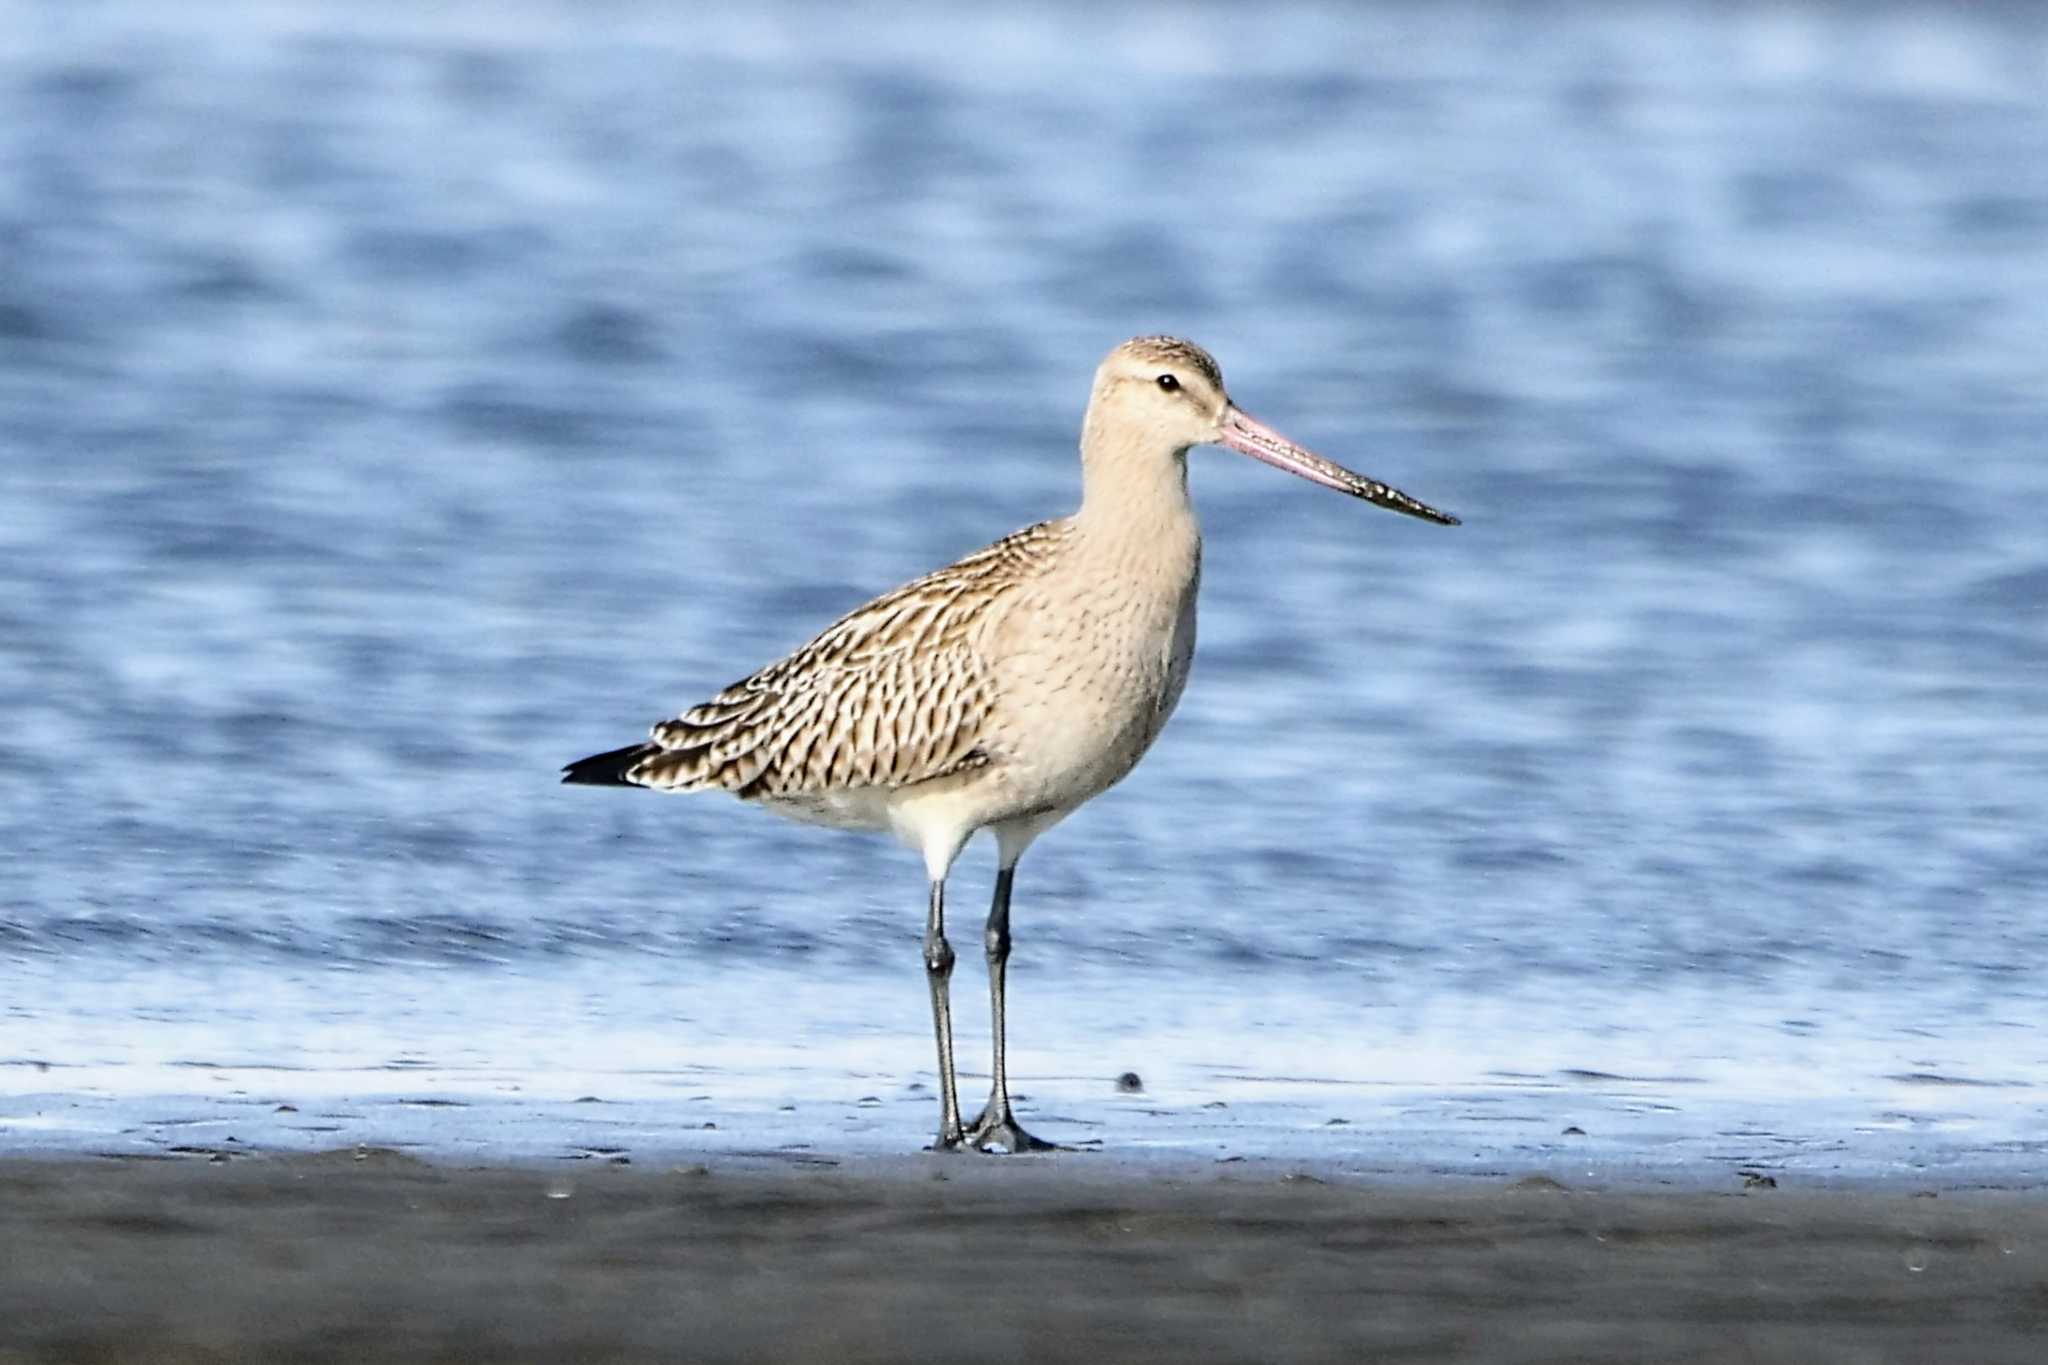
(997, 1126)
(938, 968)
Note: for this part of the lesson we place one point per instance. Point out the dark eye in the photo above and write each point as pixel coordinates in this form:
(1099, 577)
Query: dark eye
(1168, 382)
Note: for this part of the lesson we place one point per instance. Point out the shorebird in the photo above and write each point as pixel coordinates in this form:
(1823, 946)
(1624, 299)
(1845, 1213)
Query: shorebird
(1001, 692)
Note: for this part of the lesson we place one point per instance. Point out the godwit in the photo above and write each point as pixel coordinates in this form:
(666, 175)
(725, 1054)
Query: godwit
(1001, 692)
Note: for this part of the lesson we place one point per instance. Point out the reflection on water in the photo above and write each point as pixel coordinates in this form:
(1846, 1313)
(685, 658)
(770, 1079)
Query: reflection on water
(663, 1061)
(396, 407)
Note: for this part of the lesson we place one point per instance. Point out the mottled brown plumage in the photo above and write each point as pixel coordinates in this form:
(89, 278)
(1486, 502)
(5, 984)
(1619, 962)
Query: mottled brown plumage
(893, 694)
(1004, 691)
(1170, 352)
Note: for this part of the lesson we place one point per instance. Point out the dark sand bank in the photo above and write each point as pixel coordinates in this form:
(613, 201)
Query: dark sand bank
(335, 1258)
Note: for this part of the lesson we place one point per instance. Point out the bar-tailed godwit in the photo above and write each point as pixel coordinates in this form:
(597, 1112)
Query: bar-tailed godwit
(1001, 692)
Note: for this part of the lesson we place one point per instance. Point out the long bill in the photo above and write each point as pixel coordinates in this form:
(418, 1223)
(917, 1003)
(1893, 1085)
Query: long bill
(1261, 442)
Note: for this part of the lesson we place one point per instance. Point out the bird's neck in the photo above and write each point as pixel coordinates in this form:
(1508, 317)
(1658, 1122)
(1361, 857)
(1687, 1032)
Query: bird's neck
(1134, 503)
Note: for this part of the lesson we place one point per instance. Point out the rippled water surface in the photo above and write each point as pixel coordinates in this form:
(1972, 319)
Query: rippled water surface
(393, 408)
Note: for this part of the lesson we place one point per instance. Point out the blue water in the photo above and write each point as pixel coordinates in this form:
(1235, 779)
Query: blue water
(395, 406)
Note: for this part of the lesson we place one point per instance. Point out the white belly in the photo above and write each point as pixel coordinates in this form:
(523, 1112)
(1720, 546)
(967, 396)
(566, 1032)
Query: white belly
(857, 808)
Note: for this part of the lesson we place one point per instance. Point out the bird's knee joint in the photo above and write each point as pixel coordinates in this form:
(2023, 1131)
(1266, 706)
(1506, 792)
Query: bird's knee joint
(996, 944)
(938, 957)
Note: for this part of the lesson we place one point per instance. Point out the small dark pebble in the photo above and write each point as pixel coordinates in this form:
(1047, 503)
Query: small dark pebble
(709, 1124)
(1757, 1180)
(586, 1099)
(1574, 1131)
(1337, 1123)
(1129, 1084)
(286, 1109)
(1216, 1104)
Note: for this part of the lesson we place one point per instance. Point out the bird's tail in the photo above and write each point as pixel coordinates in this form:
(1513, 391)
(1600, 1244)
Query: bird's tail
(609, 769)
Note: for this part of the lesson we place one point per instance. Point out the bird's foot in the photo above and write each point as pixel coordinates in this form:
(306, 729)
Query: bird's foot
(1001, 1132)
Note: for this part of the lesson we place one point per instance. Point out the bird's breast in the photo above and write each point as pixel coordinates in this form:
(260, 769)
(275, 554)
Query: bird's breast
(1092, 668)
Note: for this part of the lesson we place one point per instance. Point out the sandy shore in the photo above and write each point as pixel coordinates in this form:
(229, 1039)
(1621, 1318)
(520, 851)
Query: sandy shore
(381, 1258)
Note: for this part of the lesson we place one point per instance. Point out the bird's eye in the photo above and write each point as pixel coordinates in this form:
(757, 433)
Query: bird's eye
(1168, 382)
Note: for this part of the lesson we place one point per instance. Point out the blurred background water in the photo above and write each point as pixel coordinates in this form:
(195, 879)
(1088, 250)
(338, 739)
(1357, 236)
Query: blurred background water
(397, 402)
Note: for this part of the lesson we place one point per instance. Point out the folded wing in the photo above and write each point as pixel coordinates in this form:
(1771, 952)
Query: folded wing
(896, 693)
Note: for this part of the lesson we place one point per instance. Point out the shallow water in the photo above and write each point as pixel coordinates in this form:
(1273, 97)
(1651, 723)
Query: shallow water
(393, 408)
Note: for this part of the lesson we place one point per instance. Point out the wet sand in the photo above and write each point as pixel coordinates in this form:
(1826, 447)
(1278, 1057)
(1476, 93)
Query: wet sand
(378, 1257)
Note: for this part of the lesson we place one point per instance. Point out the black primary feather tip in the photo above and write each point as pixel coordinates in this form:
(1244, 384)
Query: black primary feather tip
(608, 769)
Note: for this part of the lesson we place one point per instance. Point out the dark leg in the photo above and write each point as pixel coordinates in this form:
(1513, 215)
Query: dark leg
(997, 1126)
(938, 968)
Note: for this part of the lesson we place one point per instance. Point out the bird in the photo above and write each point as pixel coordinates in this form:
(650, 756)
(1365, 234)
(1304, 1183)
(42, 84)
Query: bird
(1001, 692)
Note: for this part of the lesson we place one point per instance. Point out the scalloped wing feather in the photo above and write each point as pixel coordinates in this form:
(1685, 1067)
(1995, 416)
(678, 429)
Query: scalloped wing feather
(895, 693)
